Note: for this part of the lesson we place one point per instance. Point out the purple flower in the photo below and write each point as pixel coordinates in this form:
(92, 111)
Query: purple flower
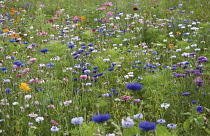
(200, 83)
(134, 86)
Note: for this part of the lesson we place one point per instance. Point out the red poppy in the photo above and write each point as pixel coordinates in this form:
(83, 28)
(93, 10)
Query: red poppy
(135, 8)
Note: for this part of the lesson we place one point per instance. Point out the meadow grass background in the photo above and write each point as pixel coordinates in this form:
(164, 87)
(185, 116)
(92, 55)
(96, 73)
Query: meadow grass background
(150, 45)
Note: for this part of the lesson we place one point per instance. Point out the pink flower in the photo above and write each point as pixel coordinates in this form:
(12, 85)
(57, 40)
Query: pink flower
(41, 65)
(76, 18)
(53, 122)
(26, 70)
(65, 79)
(108, 4)
(15, 66)
(33, 60)
(125, 98)
(33, 115)
(143, 44)
(51, 106)
(114, 28)
(83, 76)
(197, 79)
(106, 83)
(36, 102)
(15, 52)
(55, 17)
(102, 8)
(19, 75)
(105, 20)
(137, 100)
(67, 102)
(59, 12)
(42, 33)
(51, 21)
(109, 13)
(32, 80)
(42, 6)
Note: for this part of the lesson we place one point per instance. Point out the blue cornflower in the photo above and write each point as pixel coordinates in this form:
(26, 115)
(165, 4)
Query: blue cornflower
(113, 64)
(3, 68)
(186, 94)
(50, 65)
(199, 109)
(44, 50)
(39, 89)
(193, 102)
(154, 53)
(110, 69)
(100, 118)
(12, 41)
(90, 44)
(7, 90)
(134, 86)
(113, 90)
(95, 67)
(17, 63)
(12, 57)
(146, 125)
(116, 93)
(71, 46)
(100, 74)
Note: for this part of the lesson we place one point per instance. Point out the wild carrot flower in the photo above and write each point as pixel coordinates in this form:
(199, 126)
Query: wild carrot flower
(24, 87)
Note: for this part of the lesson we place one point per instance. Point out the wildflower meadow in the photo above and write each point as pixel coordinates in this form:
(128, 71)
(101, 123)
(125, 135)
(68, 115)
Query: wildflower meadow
(104, 68)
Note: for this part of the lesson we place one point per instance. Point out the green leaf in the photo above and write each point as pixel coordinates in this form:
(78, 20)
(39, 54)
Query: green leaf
(131, 131)
(162, 131)
(187, 113)
(186, 125)
(199, 121)
(207, 130)
(102, 103)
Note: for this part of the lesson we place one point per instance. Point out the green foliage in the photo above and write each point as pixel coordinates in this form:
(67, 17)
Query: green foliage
(62, 82)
